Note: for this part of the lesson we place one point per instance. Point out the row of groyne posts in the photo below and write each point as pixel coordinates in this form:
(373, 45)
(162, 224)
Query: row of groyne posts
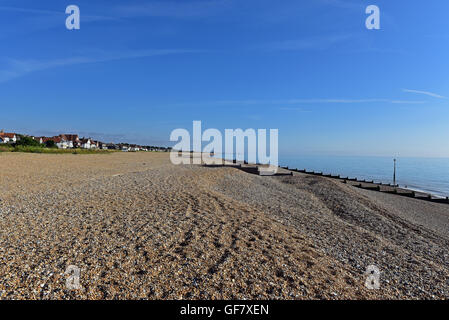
(376, 186)
(355, 182)
(252, 168)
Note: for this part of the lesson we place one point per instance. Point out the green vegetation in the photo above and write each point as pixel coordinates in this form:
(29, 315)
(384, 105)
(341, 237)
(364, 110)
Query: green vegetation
(40, 149)
(6, 148)
(50, 144)
(27, 141)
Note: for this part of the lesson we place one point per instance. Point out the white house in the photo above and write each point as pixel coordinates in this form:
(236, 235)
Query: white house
(7, 137)
(73, 140)
(87, 143)
(62, 143)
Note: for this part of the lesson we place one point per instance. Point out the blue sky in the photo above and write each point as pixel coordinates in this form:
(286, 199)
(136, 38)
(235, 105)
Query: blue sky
(136, 70)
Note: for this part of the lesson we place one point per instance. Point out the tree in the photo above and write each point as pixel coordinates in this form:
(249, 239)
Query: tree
(27, 141)
(50, 144)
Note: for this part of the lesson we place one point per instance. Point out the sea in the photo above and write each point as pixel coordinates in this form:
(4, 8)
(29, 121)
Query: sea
(430, 175)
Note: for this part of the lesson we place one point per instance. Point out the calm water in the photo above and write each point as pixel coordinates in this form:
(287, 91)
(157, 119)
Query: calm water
(421, 174)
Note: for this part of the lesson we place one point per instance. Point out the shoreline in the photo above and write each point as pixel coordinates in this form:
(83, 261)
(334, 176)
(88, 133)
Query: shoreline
(410, 186)
(420, 193)
(428, 174)
(355, 181)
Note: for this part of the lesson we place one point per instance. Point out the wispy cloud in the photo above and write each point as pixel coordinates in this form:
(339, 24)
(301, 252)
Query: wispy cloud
(296, 109)
(172, 9)
(30, 10)
(427, 93)
(305, 44)
(342, 4)
(17, 68)
(299, 105)
(316, 101)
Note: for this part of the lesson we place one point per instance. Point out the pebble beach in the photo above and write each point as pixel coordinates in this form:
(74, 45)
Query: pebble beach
(139, 227)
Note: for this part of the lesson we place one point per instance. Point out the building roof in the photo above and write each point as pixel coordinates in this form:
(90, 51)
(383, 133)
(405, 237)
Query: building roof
(7, 135)
(54, 139)
(70, 137)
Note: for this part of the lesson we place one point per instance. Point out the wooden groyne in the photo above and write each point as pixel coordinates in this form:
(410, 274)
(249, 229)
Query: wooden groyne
(253, 168)
(376, 186)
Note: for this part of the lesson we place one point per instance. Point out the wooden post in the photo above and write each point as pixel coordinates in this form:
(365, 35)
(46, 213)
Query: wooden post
(394, 173)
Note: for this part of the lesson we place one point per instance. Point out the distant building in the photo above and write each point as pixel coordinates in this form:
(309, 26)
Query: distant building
(61, 143)
(134, 148)
(110, 146)
(87, 143)
(7, 137)
(73, 139)
(95, 144)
